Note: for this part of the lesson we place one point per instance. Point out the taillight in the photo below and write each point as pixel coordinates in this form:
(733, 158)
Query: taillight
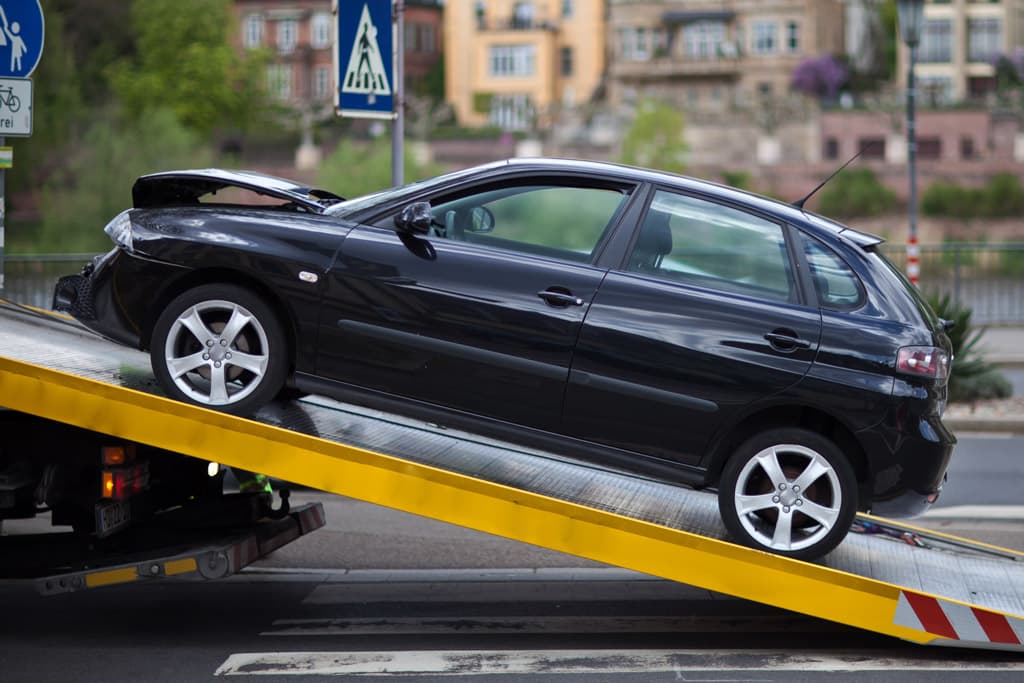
(923, 361)
(124, 482)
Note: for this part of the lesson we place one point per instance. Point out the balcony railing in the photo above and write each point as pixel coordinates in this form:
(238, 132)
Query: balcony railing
(516, 24)
(666, 67)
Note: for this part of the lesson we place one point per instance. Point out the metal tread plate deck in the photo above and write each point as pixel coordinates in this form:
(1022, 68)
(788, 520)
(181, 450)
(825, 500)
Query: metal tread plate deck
(951, 592)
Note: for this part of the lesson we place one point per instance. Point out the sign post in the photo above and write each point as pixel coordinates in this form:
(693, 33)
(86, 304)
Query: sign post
(21, 46)
(367, 65)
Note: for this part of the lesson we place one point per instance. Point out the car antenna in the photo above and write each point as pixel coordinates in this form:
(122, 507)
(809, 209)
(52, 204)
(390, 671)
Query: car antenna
(800, 202)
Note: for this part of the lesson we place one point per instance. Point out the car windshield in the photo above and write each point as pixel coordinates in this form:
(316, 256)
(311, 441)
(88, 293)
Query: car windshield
(359, 204)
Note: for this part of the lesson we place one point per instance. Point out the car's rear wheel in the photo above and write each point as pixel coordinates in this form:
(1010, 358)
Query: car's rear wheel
(788, 491)
(220, 346)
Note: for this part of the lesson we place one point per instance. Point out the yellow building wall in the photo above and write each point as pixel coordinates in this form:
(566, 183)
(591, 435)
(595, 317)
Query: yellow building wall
(468, 49)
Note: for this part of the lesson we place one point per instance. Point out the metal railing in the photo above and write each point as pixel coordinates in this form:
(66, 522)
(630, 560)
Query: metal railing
(987, 278)
(29, 279)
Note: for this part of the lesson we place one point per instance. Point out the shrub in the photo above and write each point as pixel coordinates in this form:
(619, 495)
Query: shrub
(1001, 197)
(948, 200)
(973, 378)
(856, 193)
(737, 179)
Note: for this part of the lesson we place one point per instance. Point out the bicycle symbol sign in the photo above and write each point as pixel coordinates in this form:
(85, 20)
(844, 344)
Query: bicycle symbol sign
(21, 37)
(15, 107)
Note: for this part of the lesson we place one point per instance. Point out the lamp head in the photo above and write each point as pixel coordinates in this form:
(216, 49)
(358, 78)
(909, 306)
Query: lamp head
(911, 19)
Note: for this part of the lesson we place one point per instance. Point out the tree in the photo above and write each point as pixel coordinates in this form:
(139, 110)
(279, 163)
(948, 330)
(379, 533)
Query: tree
(56, 108)
(820, 77)
(655, 139)
(184, 61)
(355, 169)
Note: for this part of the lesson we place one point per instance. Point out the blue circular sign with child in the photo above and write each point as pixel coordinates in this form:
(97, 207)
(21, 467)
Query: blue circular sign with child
(21, 37)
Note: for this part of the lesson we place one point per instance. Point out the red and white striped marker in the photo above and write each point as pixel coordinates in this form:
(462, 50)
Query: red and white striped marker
(913, 259)
(964, 624)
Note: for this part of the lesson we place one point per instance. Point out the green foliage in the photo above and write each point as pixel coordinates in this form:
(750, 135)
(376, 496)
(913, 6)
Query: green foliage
(56, 107)
(973, 378)
(655, 139)
(354, 169)
(432, 85)
(1001, 197)
(949, 200)
(185, 62)
(95, 183)
(890, 39)
(737, 179)
(855, 193)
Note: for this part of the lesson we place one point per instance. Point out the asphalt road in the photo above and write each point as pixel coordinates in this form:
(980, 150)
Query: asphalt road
(380, 595)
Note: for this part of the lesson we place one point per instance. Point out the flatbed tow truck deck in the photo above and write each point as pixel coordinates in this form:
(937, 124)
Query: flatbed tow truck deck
(893, 579)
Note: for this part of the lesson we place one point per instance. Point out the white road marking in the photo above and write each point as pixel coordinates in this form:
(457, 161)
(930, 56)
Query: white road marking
(559, 662)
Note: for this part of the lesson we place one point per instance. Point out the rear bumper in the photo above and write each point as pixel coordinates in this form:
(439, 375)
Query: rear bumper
(919, 451)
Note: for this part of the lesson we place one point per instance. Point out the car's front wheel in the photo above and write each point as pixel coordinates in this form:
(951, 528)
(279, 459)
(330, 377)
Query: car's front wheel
(220, 346)
(788, 491)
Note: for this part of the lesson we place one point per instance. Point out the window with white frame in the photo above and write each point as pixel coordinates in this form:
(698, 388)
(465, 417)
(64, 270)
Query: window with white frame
(320, 33)
(513, 60)
(936, 41)
(703, 39)
(253, 31)
(763, 37)
(321, 82)
(287, 35)
(511, 112)
(635, 43)
(984, 39)
(279, 80)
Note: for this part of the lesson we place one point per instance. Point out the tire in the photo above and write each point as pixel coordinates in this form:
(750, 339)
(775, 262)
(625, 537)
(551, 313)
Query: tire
(762, 508)
(234, 373)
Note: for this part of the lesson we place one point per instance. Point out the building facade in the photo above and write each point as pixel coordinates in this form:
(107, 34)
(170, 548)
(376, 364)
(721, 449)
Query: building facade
(712, 55)
(960, 43)
(299, 36)
(516, 63)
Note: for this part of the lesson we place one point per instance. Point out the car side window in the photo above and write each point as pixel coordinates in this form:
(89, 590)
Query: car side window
(834, 281)
(564, 222)
(709, 245)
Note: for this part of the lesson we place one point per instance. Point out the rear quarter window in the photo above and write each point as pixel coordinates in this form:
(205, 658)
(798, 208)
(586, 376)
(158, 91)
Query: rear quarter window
(835, 283)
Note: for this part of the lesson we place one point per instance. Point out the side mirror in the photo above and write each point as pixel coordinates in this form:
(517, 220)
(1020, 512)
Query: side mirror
(481, 220)
(416, 218)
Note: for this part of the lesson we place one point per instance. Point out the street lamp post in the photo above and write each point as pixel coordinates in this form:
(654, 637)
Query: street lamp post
(911, 17)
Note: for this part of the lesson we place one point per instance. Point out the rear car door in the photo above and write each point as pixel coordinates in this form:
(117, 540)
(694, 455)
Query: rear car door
(704, 318)
(482, 314)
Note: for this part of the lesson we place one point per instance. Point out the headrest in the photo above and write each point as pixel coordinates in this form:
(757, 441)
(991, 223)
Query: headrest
(656, 236)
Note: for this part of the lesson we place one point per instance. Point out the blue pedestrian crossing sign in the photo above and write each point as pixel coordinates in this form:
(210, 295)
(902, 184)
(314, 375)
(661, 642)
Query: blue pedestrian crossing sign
(365, 59)
(21, 37)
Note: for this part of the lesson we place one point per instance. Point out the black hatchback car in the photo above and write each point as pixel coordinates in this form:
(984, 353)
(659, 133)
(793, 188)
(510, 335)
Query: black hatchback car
(672, 327)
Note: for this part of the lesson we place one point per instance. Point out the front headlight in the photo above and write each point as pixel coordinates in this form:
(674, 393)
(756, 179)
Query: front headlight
(120, 230)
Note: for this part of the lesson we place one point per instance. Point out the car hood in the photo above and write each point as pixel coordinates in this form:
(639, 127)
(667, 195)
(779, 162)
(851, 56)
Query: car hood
(175, 188)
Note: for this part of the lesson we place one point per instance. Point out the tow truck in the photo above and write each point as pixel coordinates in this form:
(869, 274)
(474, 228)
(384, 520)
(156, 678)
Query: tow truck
(894, 579)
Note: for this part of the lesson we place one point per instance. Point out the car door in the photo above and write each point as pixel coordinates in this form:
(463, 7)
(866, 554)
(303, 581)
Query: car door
(704, 318)
(480, 315)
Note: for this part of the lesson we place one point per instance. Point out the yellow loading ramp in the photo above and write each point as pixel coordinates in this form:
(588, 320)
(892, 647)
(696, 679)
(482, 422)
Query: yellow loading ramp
(949, 592)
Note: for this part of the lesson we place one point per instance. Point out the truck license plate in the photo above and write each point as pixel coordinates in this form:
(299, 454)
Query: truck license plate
(112, 516)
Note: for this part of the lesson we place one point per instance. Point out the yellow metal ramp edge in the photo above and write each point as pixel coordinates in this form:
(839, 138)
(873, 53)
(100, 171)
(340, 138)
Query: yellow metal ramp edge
(839, 595)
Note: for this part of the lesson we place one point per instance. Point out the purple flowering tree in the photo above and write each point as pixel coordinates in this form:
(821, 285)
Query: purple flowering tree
(819, 76)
